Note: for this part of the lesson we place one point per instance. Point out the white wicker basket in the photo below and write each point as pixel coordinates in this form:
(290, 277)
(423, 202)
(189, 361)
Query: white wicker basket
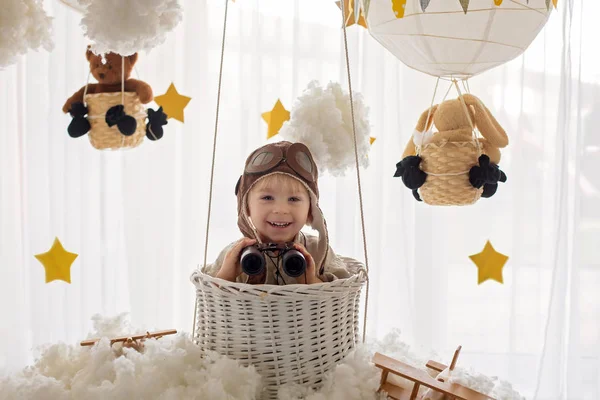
(292, 333)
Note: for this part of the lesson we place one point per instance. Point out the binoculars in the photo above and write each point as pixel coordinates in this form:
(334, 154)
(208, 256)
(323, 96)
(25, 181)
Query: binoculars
(253, 260)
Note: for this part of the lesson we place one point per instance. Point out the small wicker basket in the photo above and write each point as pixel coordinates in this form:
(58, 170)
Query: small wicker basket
(293, 333)
(102, 136)
(447, 165)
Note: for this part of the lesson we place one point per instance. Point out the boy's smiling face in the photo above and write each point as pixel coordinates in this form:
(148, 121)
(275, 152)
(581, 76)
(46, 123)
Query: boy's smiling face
(279, 207)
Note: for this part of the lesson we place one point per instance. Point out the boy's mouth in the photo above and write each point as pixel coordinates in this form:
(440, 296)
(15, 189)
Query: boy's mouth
(279, 224)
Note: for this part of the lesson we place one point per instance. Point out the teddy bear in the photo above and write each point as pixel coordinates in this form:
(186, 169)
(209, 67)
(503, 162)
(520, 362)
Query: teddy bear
(110, 70)
(450, 118)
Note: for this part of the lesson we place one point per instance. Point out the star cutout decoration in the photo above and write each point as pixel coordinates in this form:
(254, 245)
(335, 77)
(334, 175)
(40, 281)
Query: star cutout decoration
(57, 262)
(372, 140)
(173, 103)
(350, 10)
(490, 264)
(275, 118)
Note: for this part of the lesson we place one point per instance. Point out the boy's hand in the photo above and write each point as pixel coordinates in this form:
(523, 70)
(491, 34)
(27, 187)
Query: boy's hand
(311, 276)
(231, 267)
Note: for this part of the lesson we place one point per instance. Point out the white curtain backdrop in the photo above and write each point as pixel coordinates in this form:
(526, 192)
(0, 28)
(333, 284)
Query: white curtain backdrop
(137, 218)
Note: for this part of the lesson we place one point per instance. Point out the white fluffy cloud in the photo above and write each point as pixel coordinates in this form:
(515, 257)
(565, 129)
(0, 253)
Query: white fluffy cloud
(129, 26)
(321, 119)
(24, 26)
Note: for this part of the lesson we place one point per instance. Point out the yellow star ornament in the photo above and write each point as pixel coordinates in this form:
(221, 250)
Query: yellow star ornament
(490, 264)
(275, 119)
(57, 262)
(350, 10)
(372, 140)
(173, 103)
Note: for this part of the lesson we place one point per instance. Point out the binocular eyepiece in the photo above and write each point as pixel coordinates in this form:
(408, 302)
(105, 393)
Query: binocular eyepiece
(253, 260)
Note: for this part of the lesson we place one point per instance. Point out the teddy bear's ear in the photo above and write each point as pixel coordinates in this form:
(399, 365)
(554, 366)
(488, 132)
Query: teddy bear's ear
(132, 58)
(88, 53)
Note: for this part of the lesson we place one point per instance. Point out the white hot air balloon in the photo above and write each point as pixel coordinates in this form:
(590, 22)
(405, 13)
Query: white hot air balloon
(456, 38)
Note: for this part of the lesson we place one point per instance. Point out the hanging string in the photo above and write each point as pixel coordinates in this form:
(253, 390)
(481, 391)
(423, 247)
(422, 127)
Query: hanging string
(466, 110)
(465, 85)
(214, 150)
(362, 216)
(418, 149)
(86, 88)
(447, 92)
(123, 92)
(123, 81)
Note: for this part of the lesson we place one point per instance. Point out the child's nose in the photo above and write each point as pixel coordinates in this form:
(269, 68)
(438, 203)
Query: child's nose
(281, 208)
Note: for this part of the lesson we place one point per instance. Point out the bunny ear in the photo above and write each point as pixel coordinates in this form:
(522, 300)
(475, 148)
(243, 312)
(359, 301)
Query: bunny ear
(421, 125)
(486, 123)
(410, 149)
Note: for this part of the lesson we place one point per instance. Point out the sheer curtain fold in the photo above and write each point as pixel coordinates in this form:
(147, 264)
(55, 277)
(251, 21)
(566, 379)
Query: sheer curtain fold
(137, 218)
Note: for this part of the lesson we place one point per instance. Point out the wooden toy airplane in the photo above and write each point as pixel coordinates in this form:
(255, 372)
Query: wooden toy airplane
(132, 341)
(451, 391)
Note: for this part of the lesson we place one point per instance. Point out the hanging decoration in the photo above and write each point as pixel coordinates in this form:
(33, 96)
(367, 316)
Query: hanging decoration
(129, 26)
(24, 26)
(447, 42)
(489, 264)
(275, 118)
(453, 41)
(321, 119)
(465, 4)
(399, 8)
(353, 13)
(453, 166)
(173, 103)
(112, 110)
(57, 262)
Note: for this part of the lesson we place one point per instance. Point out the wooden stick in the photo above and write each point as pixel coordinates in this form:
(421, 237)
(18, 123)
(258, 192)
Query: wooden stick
(455, 358)
(415, 391)
(436, 366)
(147, 335)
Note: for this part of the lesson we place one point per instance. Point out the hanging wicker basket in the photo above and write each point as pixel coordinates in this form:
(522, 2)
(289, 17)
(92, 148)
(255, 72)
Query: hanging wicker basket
(447, 165)
(102, 136)
(292, 333)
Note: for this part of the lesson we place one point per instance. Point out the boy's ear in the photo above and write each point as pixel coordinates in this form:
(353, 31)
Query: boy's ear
(309, 219)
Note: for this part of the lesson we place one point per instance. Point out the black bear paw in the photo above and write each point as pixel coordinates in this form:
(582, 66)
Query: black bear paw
(125, 123)
(156, 120)
(412, 176)
(486, 175)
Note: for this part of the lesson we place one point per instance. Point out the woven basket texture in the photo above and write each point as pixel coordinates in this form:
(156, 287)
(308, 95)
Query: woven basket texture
(102, 136)
(291, 333)
(456, 160)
